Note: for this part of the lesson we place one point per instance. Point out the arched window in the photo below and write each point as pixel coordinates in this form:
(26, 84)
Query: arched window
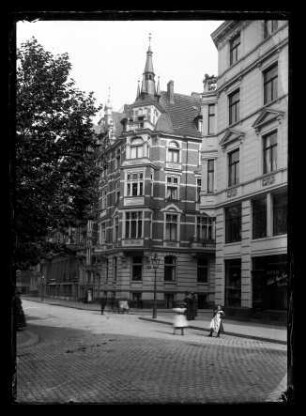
(137, 148)
(174, 152)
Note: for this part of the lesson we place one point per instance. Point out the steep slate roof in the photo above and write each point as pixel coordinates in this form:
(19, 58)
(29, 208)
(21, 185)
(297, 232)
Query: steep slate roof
(182, 114)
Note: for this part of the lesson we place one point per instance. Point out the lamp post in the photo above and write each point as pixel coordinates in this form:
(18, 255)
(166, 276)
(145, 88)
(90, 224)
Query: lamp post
(42, 288)
(155, 264)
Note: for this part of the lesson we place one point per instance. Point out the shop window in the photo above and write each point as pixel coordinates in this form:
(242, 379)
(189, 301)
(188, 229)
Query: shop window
(280, 214)
(233, 223)
(202, 270)
(269, 282)
(136, 268)
(170, 268)
(233, 283)
(259, 217)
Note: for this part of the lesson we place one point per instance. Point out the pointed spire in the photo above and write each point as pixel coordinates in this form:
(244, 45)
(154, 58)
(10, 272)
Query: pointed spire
(138, 90)
(148, 83)
(158, 87)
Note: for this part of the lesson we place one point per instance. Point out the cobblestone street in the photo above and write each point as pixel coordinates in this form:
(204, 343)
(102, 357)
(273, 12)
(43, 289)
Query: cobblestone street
(81, 356)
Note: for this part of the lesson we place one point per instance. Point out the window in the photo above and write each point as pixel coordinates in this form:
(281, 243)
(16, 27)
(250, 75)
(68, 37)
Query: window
(270, 26)
(233, 168)
(137, 148)
(279, 214)
(233, 105)
(136, 268)
(135, 184)
(174, 152)
(270, 77)
(118, 158)
(172, 188)
(116, 229)
(102, 232)
(205, 228)
(233, 283)
(104, 200)
(210, 175)
(171, 227)
(170, 268)
(133, 224)
(259, 217)
(211, 118)
(199, 185)
(270, 152)
(234, 49)
(233, 223)
(115, 268)
(106, 269)
(202, 270)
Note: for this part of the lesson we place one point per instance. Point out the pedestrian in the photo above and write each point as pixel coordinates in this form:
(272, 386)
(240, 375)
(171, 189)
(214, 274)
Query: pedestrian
(216, 325)
(180, 321)
(194, 306)
(103, 302)
(19, 313)
(188, 302)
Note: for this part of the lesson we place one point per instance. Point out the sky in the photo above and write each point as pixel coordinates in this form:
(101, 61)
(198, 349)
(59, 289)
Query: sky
(109, 56)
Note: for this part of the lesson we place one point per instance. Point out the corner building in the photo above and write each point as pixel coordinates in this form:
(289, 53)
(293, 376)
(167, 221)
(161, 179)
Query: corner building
(149, 204)
(247, 150)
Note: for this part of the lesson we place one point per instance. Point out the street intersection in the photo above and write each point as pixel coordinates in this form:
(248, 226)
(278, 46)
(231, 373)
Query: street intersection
(81, 356)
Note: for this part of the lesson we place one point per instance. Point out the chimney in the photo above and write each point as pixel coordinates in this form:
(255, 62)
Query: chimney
(170, 92)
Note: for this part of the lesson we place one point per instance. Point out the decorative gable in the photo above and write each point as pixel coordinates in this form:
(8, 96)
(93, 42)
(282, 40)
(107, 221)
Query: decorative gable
(231, 136)
(267, 116)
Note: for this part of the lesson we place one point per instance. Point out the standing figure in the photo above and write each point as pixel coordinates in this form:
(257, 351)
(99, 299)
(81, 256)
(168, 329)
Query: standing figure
(103, 302)
(194, 305)
(19, 313)
(216, 325)
(188, 303)
(180, 320)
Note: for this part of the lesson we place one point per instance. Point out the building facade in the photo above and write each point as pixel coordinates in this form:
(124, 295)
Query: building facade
(149, 203)
(245, 118)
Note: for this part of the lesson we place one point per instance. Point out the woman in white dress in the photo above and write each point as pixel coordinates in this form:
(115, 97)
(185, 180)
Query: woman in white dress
(180, 321)
(216, 325)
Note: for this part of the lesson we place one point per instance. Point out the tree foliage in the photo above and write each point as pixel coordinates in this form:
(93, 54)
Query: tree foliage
(55, 164)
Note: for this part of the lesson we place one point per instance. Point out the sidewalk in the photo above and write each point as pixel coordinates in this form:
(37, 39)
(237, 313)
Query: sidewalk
(251, 330)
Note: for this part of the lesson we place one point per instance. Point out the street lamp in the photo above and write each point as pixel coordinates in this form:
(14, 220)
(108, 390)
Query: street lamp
(155, 264)
(42, 288)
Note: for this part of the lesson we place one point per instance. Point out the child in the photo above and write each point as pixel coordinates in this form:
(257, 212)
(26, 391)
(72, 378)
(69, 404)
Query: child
(180, 320)
(216, 324)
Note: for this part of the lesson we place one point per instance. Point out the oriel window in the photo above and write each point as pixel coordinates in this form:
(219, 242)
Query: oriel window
(135, 184)
(133, 224)
(137, 148)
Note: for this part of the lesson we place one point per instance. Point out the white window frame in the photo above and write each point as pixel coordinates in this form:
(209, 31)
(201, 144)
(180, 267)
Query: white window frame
(128, 217)
(173, 183)
(138, 148)
(138, 180)
(174, 149)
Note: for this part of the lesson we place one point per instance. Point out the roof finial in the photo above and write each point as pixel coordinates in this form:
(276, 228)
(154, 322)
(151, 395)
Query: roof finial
(150, 37)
